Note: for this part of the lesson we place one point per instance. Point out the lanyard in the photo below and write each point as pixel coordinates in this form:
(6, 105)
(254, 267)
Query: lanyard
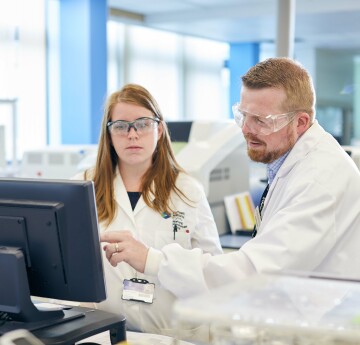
(261, 206)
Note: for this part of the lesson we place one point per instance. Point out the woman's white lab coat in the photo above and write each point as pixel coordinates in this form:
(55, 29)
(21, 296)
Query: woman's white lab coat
(311, 222)
(195, 228)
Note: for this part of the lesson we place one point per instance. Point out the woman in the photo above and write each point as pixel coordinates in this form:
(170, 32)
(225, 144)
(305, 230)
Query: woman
(140, 188)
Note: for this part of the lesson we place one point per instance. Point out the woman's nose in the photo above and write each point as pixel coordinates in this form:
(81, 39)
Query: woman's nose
(132, 132)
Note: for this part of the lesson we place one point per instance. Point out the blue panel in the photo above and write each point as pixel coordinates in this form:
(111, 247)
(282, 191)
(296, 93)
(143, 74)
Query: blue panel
(99, 65)
(242, 57)
(83, 68)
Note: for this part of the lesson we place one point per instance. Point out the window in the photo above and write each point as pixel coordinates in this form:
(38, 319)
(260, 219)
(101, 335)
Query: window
(184, 74)
(22, 70)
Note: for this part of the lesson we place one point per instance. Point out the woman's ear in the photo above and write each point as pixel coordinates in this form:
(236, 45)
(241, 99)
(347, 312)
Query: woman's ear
(303, 122)
(110, 141)
(160, 130)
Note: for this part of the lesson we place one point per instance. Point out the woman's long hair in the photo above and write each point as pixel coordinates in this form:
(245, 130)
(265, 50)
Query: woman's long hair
(160, 178)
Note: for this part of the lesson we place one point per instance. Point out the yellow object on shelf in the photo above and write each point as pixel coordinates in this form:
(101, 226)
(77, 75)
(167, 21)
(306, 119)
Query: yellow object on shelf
(240, 211)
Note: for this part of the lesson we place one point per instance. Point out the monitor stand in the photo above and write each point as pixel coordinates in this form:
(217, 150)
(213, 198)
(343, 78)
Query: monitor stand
(15, 298)
(11, 325)
(74, 329)
(61, 327)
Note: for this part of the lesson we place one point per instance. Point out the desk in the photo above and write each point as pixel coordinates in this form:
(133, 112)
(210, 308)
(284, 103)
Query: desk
(70, 332)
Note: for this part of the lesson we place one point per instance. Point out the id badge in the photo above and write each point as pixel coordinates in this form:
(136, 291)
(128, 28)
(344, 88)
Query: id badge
(138, 290)
(257, 218)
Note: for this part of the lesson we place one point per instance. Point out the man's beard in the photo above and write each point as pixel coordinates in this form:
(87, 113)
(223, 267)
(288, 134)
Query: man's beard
(263, 156)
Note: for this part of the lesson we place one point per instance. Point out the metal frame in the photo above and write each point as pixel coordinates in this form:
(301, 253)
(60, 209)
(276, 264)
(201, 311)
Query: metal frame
(13, 103)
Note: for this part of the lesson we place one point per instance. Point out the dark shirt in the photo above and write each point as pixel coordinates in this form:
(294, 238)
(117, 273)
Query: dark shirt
(134, 198)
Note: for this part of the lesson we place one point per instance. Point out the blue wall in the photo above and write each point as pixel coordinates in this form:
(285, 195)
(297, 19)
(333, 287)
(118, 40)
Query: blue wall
(83, 61)
(242, 57)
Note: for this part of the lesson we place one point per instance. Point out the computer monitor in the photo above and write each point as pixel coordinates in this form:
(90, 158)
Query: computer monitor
(49, 246)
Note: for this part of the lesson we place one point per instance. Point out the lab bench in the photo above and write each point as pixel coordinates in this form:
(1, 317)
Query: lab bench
(230, 242)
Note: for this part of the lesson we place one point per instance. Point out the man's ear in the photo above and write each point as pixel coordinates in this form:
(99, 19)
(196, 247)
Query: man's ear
(303, 122)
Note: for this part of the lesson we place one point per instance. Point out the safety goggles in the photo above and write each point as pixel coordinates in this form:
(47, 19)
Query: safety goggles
(141, 125)
(262, 124)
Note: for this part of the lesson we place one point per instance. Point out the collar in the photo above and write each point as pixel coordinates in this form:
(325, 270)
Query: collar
(273, 167)
(302, 147)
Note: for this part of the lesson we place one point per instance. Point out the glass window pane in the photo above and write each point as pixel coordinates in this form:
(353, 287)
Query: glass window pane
(183, 73)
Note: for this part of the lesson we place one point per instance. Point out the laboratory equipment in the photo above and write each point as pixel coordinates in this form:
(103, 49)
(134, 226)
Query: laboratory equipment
(59, 162)
(214, 152)
(278, 310)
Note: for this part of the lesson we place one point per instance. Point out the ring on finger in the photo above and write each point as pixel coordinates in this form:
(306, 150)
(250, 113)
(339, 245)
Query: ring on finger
(116, 247)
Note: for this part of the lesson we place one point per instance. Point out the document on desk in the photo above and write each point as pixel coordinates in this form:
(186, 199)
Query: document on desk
(135, 338)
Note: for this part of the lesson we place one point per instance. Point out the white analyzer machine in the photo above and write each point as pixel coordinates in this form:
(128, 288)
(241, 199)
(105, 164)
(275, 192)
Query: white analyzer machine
(59, 162)
(215, 154)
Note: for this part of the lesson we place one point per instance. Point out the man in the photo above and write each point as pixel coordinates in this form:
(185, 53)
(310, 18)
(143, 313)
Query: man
(310, 217)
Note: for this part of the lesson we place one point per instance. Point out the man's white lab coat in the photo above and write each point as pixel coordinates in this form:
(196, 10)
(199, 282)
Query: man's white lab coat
(311, 222)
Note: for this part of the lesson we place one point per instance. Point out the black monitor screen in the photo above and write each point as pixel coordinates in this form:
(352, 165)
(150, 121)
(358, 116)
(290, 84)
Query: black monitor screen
(50, 228)
(179, 130)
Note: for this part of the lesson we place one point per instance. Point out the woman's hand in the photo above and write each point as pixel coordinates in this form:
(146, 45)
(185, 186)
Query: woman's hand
(121, 246)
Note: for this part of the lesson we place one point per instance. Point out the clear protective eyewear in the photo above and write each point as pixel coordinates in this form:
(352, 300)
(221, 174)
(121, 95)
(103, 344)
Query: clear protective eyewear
(262, 124)
(141, 125)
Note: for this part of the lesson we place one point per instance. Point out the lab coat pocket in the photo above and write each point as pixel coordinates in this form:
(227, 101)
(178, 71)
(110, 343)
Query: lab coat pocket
(162, 238)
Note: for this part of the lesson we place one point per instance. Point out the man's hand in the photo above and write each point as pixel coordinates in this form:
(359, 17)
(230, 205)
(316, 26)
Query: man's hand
(121, 246)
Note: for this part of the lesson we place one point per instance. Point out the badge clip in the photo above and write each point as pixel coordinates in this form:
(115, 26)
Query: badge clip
(139, 290)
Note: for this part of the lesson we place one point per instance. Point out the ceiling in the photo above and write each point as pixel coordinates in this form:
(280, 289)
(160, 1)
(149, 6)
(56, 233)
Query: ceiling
(333, 24)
